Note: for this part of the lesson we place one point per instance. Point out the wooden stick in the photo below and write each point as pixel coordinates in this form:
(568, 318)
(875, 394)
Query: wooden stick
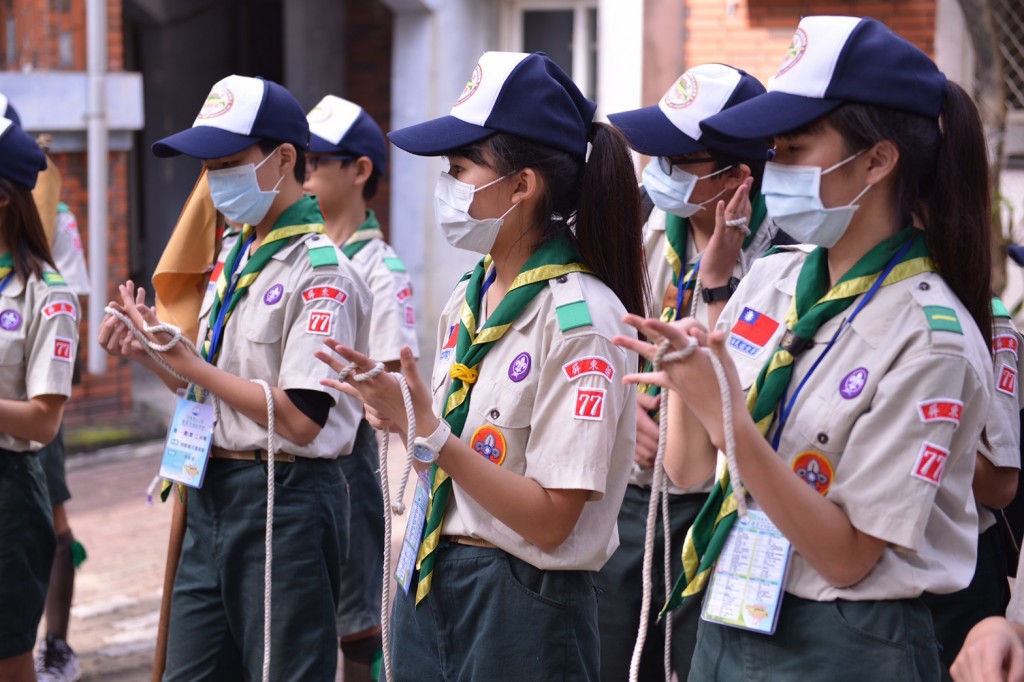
(174, 543)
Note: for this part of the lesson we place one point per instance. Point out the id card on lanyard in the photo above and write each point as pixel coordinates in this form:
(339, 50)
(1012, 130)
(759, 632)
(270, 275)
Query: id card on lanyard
(189, 437)
(413, 533)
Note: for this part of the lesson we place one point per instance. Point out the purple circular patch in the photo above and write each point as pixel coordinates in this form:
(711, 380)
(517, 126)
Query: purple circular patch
(273, 294)
(10, 320)
(853, 383)
(520, 367)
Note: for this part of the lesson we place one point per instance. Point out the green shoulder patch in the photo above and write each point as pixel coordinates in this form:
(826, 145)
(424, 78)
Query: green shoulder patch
(53, 278)
(62, 207)
(999, 308)
(573, 315)
(394, 264)
(942, 319)
(323, 255)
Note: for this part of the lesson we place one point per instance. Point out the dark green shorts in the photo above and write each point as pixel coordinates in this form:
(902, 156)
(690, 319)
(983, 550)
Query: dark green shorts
(51, 456)
(27, 545)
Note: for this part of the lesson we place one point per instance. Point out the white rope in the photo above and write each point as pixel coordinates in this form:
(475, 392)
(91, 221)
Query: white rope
(398, 507)
(663, 355)
(268, 541)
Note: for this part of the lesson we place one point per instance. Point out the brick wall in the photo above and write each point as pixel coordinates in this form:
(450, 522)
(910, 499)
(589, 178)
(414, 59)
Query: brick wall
(754, 34)
(368, 81)
(50, 35)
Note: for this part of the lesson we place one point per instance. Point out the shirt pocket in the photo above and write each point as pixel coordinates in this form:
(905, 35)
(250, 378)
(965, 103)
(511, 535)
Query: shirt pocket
(12, 349)
(265, 323)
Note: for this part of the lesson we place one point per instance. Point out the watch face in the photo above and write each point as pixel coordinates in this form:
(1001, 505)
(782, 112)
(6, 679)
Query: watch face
(423, 454)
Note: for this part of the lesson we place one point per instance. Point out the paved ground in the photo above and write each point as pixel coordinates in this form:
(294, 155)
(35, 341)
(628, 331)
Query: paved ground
(117, 590)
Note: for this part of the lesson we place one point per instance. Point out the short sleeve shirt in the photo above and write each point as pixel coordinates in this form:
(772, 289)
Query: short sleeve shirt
(288, 312)
(887, 427)
(661, 274)
(38, 342)
(393, 322)
(67, 251)
(549, 405)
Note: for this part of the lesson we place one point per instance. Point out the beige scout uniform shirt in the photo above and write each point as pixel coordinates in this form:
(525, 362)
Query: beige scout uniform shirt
(660, 273)
(38, 341)
(67, 252)
(393, 323)
(863, 432)
(1003, 426)
(551, 406)
(273, 333)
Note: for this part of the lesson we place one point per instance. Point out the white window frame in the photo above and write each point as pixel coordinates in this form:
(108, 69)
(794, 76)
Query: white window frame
(512, 32)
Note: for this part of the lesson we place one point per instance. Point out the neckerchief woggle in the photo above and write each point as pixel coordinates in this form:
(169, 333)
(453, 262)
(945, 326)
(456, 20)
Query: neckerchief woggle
(553, 259)
(364, 234)
(676, 235)
(6, 270)
(902, 256)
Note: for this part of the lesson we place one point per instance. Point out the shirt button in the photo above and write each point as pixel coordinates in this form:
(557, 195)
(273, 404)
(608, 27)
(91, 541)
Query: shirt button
(316, 238)
(562, 279)
(494, 414)
(924, 286)
(822, 438)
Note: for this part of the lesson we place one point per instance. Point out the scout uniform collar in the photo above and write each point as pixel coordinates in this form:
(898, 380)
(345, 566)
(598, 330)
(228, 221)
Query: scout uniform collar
(301, 218)
(898, 258)
(555, 258)
(364, 234)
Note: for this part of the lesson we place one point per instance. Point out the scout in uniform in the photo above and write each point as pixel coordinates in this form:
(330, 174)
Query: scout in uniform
(279, 292)
(348, 156)
(686, 177)
(842, 347)
(38, 338)
(530, 431)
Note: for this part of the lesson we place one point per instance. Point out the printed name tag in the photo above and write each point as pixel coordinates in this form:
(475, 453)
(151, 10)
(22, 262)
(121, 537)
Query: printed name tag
(747, 583)
(187, 450)
(413, 532)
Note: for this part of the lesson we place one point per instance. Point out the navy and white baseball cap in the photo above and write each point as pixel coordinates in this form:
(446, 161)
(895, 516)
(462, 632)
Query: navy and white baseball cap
(337, 126)
(8, 110)
(832, 61)
(672, 126)
(21, 159)
(527, 95)
(238, 113)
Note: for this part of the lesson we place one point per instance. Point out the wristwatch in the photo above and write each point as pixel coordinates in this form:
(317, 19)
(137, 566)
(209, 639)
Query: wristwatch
(720, 293)
(427, 449)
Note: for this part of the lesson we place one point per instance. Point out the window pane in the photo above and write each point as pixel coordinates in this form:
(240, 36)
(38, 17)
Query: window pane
(592, 53)
(549, 31)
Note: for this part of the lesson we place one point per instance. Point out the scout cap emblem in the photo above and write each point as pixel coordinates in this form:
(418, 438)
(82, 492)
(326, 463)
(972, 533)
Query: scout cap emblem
(471, 85)
(796, 50)
(672, 127)
(340, 127)
(218, 102)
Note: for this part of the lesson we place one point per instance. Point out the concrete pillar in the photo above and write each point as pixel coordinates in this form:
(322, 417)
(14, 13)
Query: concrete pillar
(314, 49)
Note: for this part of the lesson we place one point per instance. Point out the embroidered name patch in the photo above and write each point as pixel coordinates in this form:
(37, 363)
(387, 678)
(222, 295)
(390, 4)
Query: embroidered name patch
(62, 349)
(60, 308)
(594, 364)
(751, 332)
(320, 322)
(941, 410)
(1007, 380)
(1005, 342)
(488, 442)
(335, 294)
(815, 470)
(589, 404)
(930, 463)
(409, 319)
(404, 294)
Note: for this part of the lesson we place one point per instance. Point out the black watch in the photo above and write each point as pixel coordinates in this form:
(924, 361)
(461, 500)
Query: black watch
(715, 294)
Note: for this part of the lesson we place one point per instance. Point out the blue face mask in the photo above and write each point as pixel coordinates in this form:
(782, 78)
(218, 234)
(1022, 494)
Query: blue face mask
(237, 194)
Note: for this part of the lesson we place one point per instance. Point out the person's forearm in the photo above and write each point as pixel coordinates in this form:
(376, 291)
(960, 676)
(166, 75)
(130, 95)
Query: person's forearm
(36, 419)
(689, 453)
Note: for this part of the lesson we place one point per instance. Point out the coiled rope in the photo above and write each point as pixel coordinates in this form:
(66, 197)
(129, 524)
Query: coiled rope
(659, 496)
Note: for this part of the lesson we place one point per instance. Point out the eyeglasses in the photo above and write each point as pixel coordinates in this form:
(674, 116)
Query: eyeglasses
(667, 163)
(315, 161)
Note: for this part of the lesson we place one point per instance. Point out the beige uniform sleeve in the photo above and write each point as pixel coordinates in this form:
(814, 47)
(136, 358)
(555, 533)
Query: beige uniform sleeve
(393, 322)
(51, 341)
(1002, 430)
(68, 255)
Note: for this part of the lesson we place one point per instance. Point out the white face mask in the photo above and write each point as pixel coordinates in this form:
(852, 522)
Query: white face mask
(452, 200)
(237, 194)
(793, 199)
(671, 193)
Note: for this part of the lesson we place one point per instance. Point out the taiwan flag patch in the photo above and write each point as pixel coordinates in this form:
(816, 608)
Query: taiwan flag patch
(449, 345)
(751, 332)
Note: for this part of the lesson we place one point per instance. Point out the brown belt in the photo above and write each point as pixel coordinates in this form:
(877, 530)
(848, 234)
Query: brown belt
(249, 455)
(466, 540)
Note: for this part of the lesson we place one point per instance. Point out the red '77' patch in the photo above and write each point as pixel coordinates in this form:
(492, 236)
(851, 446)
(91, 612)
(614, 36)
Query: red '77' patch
(1007, 380)
(590, 404)
(930, 463)
(320, 322)
(62, 349)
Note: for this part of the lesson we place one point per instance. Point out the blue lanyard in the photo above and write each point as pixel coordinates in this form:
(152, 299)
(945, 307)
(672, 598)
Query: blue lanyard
(785, 412)
(682, 287)
(488, 281)
(7, 279)
(218, 325)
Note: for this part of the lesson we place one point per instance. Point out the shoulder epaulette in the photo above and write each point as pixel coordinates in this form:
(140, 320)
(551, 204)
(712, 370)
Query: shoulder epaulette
(322, 252)
(942, 319)
(999, 308)
(53, 278)
(394, 264)
(62, 207)
(570, 305)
